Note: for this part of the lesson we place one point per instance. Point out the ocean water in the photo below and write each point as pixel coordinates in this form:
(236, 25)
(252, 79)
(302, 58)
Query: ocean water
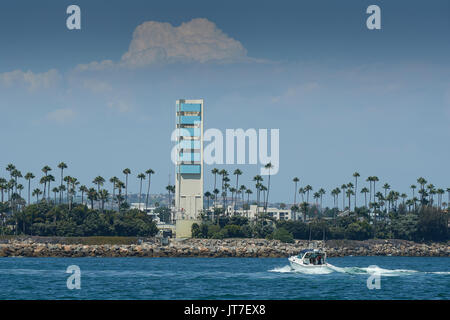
(224, 278)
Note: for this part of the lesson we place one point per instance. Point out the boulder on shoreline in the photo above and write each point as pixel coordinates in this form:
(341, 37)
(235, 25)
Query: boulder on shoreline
(29, 247)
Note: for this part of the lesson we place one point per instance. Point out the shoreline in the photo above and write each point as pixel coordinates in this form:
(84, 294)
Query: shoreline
(214, 248)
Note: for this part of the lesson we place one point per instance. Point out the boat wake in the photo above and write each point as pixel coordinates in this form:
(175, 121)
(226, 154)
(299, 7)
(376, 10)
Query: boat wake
(374, 270)
(289, 269)
(354, 270)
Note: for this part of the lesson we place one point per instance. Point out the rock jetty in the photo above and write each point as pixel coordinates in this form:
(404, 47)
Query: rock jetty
(219, 248)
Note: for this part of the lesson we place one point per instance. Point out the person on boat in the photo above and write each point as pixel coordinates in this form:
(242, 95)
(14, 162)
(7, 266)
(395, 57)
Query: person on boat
(319, 260)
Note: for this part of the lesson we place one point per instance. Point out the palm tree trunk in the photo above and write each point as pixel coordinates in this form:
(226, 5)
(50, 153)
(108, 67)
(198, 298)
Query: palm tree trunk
(140, 195)
(148, 193)
(29, 189)
(267, 196)
(126, 188)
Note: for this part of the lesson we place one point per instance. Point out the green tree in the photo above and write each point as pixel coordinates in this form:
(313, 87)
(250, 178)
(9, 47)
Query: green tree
(283, 235)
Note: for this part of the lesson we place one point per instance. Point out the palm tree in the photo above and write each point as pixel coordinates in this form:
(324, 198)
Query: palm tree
(44, 182)
(258, 180)
(16, 174)
(223, 173)
(10, 168)
(349, 193)
(99, 181)
(295, 180)
(83, 189)
(334, 194)
(92, 196)
(141, 177)
(386, 187)
(370, 179)
(242, 189)
(308, 188)
(61, 166)
(365, 191)
(120, 185)
(149, 172)
(422, 183)
(343, 187)
(215, 171)
(103, 196)
(304, 209)
(3, 183)
(37, 193)
(316, 196)
(237, 173)
(413, 187)
(321, 194)
(49, 179)
(440, 192)
(208, 196)
(28, 177)
(338, 191)
(46, 170)
(374, 179)
(248, 192)
(448, 202)
(268, 167)
(55, 190)
(20, 188)
(67, 180)
(170, 189)
(226, 187)
(113, 181)
(62, 189)
(356, 175)
(73, 182)
(216, 193)
(404, 196)
(126, 172)
(302, 192)
(233, 190)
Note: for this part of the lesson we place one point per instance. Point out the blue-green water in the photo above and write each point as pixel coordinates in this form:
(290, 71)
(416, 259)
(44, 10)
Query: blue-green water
(223, 278)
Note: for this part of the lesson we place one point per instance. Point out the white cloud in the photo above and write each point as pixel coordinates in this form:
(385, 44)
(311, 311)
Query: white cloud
(34, 81)
(61, 116)
(198, 40)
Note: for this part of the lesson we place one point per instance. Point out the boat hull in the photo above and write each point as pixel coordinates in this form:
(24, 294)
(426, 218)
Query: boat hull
(297, 264)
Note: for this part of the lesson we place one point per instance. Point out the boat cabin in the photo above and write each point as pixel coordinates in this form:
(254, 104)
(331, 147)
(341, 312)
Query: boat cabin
(312, 256)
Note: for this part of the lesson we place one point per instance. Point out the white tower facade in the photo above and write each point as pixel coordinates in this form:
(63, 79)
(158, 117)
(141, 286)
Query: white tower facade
(189, 153)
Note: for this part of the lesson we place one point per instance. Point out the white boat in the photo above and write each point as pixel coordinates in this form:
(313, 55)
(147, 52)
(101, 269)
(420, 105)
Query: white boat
(309, 259)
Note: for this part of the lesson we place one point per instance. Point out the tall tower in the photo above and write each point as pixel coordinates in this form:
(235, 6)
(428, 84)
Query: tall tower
(189, 165)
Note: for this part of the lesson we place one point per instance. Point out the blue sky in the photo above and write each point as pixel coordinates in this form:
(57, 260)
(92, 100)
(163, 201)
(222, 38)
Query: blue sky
(344, 98)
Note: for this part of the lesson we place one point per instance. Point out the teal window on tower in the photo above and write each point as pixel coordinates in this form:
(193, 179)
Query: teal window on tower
(189, 119)
(189, 132)
(191, 107)
(190, 168)
(190, 144)
(189, 156)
